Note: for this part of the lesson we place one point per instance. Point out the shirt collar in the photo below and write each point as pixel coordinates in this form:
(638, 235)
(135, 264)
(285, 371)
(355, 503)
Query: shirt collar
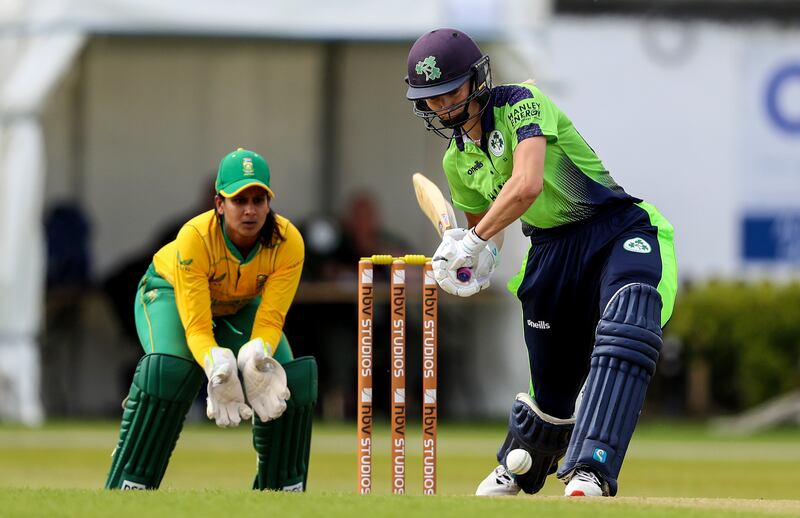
(487, 117)
(487, 123)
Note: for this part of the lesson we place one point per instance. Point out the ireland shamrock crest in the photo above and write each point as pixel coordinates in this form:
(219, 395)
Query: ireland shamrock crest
(496, 143)
(638, 245)
(428, 67)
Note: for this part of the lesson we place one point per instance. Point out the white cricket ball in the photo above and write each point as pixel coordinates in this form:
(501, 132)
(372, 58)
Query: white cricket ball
(518, 461)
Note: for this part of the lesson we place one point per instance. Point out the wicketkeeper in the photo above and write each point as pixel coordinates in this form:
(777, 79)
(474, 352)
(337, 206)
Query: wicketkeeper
(599, 280)
(210, 309)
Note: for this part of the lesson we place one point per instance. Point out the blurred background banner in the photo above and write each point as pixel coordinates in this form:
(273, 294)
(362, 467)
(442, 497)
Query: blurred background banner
(114, 115)
(771, 150)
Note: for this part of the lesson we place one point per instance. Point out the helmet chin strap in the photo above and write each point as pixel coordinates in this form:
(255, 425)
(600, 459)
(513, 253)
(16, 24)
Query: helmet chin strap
(458, 120)
(467, 130)
(464, 118)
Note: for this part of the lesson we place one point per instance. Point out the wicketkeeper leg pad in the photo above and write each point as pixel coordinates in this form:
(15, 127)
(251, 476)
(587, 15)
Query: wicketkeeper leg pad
(163, 389)
(283, 446)
(543, 436)
(625, 354)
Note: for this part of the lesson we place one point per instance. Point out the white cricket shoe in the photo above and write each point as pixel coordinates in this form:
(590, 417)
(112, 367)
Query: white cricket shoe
(583, 483)
(498, 483)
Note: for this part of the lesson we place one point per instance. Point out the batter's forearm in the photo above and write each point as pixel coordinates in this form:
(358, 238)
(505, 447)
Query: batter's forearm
(514, 199)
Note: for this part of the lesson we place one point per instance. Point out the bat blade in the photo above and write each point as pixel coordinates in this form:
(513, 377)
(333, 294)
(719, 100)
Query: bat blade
(433, 204)
(439, 212)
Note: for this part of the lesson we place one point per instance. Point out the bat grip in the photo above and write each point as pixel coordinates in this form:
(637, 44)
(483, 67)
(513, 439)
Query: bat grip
(464, 274)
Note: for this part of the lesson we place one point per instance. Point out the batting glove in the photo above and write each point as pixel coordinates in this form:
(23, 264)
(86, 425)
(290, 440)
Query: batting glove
(466, 250)
(461, 248)
(488, 259)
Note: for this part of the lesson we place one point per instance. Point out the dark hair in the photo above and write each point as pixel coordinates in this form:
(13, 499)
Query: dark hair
(271, 232)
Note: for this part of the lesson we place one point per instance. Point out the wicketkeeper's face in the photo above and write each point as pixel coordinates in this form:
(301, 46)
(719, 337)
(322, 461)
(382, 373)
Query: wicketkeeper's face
(245, 214)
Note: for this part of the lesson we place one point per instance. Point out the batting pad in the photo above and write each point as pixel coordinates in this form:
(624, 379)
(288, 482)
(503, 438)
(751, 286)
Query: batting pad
(283, 446)
(624, 358)
(163, 389)
(543, 436)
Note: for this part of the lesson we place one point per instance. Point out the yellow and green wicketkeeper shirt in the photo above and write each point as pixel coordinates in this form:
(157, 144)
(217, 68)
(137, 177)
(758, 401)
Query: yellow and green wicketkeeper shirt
(211, 279)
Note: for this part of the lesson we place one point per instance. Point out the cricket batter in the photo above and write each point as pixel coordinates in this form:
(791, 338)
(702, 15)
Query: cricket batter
(599, 280)
(211, 307)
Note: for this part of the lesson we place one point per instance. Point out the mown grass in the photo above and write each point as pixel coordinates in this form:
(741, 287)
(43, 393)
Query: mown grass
(671, 470)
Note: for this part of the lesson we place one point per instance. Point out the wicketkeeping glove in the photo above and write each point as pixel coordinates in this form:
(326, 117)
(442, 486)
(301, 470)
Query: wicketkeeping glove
(225, 402)
(264, 380)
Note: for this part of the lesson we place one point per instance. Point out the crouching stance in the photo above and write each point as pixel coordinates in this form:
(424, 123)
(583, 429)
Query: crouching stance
(599, 280)
(210, 309)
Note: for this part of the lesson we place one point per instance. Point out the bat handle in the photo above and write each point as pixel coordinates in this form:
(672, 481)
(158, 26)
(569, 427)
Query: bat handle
(464, 274)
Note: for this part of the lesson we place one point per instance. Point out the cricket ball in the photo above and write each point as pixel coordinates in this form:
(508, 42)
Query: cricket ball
(518, 461)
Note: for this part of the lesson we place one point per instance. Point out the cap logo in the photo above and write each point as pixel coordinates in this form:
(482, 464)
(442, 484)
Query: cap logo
(428, 67)
(247, 166)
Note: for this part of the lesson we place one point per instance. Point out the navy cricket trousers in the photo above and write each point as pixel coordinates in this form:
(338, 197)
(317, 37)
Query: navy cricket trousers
(570, 274)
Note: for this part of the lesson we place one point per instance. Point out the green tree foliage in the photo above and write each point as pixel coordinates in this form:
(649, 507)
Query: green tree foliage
(749, 335)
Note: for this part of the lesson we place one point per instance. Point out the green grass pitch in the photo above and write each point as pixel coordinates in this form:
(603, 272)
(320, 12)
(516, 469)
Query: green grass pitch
(671, 470)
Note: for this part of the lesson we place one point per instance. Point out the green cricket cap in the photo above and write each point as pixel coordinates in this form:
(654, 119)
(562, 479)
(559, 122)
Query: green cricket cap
(241, 169)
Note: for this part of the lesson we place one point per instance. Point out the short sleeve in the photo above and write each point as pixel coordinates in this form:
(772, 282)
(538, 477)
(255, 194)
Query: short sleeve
(464, 198)
(530, 113)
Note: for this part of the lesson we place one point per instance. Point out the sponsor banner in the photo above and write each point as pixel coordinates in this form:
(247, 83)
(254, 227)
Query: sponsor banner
(771, 237)
(770, 132)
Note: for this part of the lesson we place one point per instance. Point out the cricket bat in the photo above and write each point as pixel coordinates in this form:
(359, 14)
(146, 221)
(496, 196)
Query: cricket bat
(433, 205)
(439, 212)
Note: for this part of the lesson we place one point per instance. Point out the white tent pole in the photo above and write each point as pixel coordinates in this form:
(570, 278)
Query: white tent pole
(30, 79)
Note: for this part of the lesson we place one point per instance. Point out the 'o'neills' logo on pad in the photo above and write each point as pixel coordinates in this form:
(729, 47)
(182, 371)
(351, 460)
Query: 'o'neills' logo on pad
(247, 166)
(637, 245)
(428, 67)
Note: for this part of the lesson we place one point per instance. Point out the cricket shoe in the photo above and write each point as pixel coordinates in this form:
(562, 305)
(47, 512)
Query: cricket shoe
(584, 483)
(499, 483)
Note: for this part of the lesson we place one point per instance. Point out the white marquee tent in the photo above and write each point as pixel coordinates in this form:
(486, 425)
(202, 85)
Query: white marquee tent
(41, 39)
